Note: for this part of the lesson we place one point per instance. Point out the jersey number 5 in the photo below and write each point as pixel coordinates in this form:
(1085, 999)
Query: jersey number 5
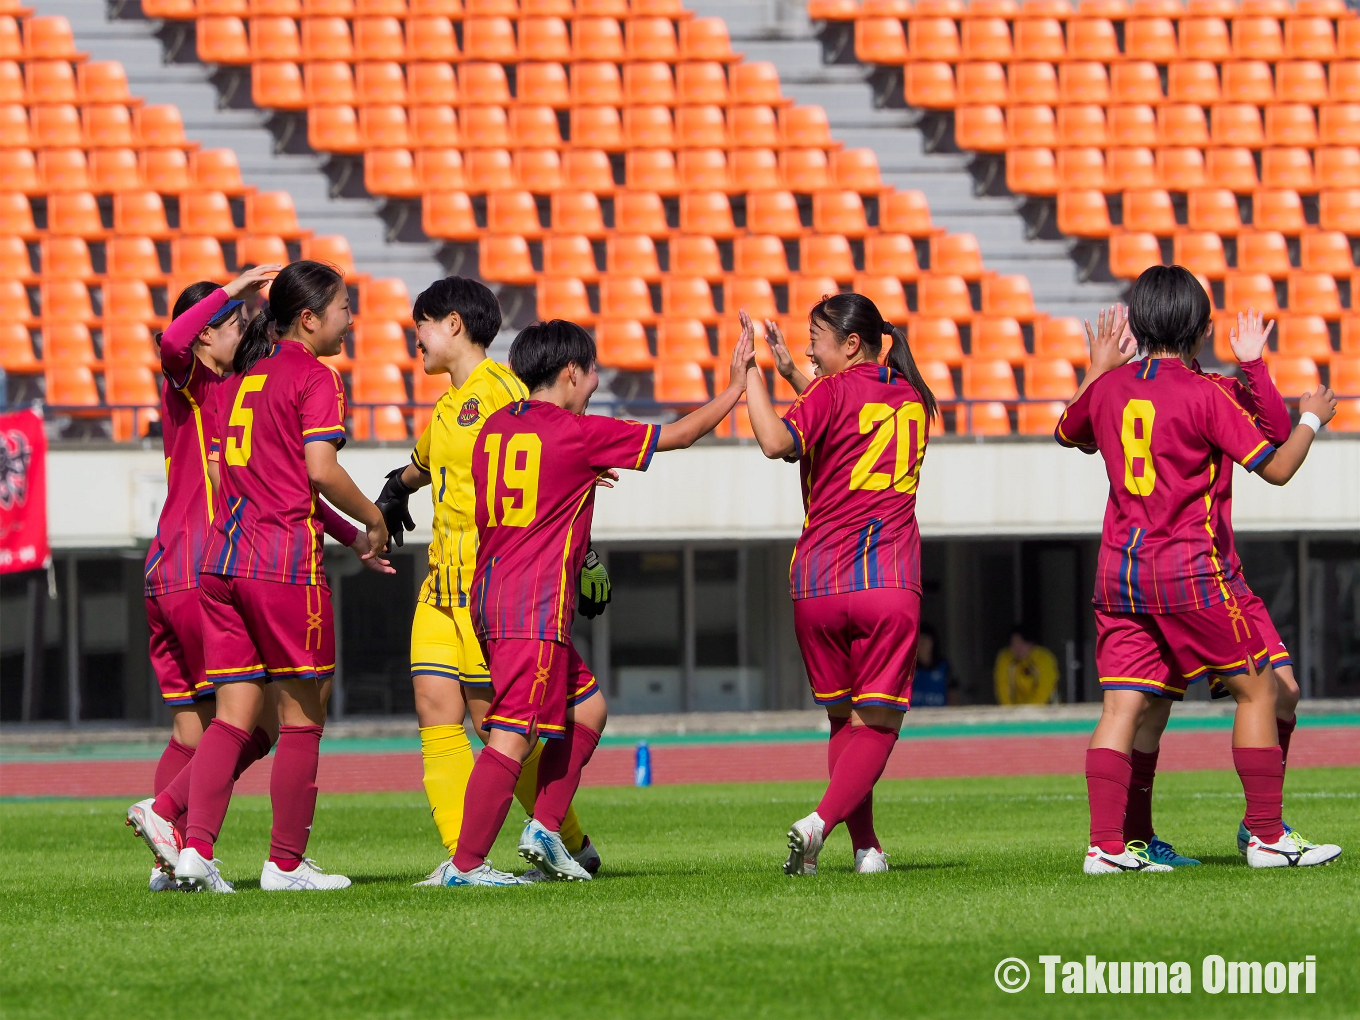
(1136, 436)
(906, 424)
(243, 418)
(518, 479)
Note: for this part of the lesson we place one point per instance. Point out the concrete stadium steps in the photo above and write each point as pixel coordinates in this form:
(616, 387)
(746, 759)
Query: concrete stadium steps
(779, 31)
(134, 41)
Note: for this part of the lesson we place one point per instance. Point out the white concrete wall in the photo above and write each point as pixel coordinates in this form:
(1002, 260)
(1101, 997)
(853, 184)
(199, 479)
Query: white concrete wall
(111, 497)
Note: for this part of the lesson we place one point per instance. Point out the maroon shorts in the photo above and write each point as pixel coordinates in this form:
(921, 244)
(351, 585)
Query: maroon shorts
(533, 682)
(177, 646)
(1165, 653)
(1279, 655)
(266, 630)
(860, 646)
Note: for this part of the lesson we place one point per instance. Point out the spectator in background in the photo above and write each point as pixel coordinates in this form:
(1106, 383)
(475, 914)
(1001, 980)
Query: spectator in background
(1026, 673)
(934, 685)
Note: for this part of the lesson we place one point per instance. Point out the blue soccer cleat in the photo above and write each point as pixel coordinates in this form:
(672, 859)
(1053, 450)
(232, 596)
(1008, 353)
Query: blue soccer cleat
(1164, 853)
(1244, 837)
(544, 848)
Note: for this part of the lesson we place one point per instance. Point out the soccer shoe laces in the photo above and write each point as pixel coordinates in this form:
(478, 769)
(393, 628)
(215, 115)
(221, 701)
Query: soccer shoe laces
(1139, 849)
(1300, 842)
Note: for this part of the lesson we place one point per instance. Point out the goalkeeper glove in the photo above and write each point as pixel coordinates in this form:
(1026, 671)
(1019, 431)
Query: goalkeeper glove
(595, 590)
(391, 503)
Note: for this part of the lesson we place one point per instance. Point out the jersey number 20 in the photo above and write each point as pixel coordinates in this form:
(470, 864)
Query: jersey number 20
(242, 417)
(906, 424)
(519, 509)
(1136, 436)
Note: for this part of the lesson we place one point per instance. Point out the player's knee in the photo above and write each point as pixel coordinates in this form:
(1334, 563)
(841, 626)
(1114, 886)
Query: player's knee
(1287, 692)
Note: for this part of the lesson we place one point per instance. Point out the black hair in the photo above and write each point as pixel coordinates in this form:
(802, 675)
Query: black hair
(300, 286)
(192, 295)
(845, 314)
(473, 301)
(542, 349)
(927, 630)
(1024, 632)
(1168, 311)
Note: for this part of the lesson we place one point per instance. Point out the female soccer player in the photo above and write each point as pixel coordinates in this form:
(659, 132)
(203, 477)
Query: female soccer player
(456, 320)
(265, 603)
(536, 467)
(196, 352)
(859, 431)
(1253, 388)
(1168, 609)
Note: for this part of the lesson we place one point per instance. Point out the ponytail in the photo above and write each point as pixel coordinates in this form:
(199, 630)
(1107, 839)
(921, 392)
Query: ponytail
(847, 314)
(901, 362)
(299, 287)
(256, 342)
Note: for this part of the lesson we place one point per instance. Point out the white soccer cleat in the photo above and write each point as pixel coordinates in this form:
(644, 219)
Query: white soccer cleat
(305, 877)
(1291, 851)
(1134, 858)
(161, 882)
(198, 875)
(158, 834)
(544, 848)
(588, 857)
(871, 861)
(483, 874)
(437, 876)
(805, 843)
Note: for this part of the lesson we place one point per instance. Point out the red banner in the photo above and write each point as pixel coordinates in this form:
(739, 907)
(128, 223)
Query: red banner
(23, 492)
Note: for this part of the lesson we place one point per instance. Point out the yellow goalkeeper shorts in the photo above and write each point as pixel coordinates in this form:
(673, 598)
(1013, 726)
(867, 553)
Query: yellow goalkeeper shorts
(443, 643)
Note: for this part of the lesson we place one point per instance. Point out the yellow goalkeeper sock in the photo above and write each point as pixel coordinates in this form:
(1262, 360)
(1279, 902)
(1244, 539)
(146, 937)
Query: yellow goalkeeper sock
(526, 790)
(448, 764)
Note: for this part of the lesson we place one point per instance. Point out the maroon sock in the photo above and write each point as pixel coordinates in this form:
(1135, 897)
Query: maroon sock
(210, 784)
(173, 801)
(490, 789)
(860, 764)
(292, 792)
(1286, 728)
(1261, 770)
(559, 773)
(1107, 788)
(860, 822)
(1138, 815)
(174, 759)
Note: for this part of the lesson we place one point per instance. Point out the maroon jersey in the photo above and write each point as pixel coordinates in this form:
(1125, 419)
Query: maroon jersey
(534, 470)
(188, 388)
(859, 436)
(268, 521)
(1256, 392)
(1163, 430)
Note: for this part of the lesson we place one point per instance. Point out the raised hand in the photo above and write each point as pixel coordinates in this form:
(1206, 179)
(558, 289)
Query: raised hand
(251, 280)
(743, 355)
(783, 360)
(1322, 402)
(1248, 339)
(1111, 342)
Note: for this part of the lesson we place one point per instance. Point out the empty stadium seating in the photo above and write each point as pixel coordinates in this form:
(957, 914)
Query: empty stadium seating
(1229, 129)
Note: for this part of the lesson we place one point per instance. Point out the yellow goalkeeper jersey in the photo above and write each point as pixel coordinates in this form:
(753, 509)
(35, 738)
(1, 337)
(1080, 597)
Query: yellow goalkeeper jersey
(444, 452)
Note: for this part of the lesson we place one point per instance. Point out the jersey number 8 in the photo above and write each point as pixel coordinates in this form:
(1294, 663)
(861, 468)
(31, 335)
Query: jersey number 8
(907, 424)
(518, 479)
(1136, 436)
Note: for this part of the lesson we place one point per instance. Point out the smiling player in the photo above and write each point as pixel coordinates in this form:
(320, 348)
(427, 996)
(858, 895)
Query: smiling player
(456, 320)
(1168, 609)
(859, 432)
(536, 468)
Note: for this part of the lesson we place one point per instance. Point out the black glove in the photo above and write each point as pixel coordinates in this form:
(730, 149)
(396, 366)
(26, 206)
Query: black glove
(391, 503)
(594, 590)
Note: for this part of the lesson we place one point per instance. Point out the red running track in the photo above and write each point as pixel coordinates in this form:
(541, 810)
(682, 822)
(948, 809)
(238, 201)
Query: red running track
(1060, 754)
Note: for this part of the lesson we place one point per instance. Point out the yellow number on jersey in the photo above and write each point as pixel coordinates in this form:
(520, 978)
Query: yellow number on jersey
(243, 418)
(891, 424)
(1136, 436)
(523, 480)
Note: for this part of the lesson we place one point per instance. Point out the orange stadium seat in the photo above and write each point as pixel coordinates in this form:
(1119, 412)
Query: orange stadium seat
(1213, 209)
(1314, 294)
(888, 294)
(222, 41)
(64, 258)
(132, 258)
(1304, 336)
(1130, 169)
(758, 255)
(543, 84)
(1263, 251)
(1345, 376)
(1294, 376)
(679, 382)
(70, 386)
(1201, 252)
(1193, 81)
(1049, 379)
(1325, 251)
(1131, 253)
(1205, 38)
(1061, 338)
(701, 82)
(16, 350)
(998, 338)
(1242, 291)
(831, 255)
(753, 294)
(683, 339)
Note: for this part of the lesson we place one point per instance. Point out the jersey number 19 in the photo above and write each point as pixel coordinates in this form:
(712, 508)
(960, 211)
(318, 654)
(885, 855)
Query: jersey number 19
(523, 454)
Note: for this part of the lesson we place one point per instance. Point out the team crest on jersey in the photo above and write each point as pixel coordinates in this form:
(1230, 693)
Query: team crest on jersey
(469, 412)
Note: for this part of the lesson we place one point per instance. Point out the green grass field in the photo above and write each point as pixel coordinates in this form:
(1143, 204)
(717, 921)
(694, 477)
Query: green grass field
(691, 916)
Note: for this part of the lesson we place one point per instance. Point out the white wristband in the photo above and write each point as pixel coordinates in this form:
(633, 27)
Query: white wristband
(1311, 420)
